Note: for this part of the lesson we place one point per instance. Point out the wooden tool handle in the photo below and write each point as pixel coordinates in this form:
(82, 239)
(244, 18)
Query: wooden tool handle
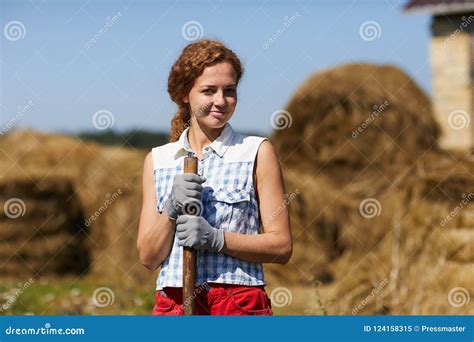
(189, 257)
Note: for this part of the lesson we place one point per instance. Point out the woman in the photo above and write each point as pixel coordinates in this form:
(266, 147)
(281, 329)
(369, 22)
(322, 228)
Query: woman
(239, 186)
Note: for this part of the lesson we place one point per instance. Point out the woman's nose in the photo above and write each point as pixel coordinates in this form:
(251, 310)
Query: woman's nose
(219, 99)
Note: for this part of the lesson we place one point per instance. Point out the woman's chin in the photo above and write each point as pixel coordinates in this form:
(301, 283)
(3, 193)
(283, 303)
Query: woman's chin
(215, 122)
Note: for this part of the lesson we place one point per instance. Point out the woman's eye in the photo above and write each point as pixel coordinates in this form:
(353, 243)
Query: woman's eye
(210, 91)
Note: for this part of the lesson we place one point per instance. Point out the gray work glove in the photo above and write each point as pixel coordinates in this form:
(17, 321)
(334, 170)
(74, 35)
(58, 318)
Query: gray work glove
(186, 188)
(196, 232)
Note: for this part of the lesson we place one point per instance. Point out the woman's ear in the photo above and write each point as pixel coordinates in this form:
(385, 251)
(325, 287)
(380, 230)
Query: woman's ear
(186, 100)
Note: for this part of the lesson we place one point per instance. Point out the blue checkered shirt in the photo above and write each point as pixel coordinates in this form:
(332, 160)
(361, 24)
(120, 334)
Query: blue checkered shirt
(229, 203)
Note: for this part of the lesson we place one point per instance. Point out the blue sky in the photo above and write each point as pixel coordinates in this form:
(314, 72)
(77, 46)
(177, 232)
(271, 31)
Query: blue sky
(66, 76)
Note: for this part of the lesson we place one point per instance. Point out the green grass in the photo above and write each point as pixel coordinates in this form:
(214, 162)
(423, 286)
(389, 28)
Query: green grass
(73, 297)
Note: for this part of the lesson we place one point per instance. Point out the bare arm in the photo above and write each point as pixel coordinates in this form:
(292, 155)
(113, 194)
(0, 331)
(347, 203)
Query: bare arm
(274, 245)
(156, 231)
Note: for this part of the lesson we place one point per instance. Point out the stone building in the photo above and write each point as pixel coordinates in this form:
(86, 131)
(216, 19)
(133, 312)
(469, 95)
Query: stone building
(452, 68)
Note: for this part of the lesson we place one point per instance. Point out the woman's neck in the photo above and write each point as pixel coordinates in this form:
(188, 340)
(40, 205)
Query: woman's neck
(200, 137)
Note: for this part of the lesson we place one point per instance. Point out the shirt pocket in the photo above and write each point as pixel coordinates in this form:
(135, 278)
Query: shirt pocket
(228, 209)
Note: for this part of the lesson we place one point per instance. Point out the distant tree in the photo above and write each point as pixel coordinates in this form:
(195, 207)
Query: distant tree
(142, 139)
(133, 139)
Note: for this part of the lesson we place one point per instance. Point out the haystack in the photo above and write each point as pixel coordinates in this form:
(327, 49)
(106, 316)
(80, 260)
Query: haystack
(82, 205)
(42, 228)
(356, 115)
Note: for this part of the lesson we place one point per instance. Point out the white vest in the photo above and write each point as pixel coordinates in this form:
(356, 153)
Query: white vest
(229, 203)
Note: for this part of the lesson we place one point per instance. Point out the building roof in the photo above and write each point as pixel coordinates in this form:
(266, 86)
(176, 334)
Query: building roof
(439, 6)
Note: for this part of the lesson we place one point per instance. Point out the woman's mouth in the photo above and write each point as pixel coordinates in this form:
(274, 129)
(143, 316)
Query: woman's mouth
(217, 114)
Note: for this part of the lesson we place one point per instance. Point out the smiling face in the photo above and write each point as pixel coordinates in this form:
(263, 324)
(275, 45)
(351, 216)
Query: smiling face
(213, 97)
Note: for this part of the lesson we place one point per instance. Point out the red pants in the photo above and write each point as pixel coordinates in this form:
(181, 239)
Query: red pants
(215, 299)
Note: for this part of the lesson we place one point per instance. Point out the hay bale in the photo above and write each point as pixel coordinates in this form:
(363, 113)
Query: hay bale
(77, 181)
(41, 227)
(392, 111)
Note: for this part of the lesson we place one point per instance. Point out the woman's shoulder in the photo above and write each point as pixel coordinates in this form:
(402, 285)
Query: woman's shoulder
(163, 155)
(246, 147)
(260, 145)
(247, 139)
